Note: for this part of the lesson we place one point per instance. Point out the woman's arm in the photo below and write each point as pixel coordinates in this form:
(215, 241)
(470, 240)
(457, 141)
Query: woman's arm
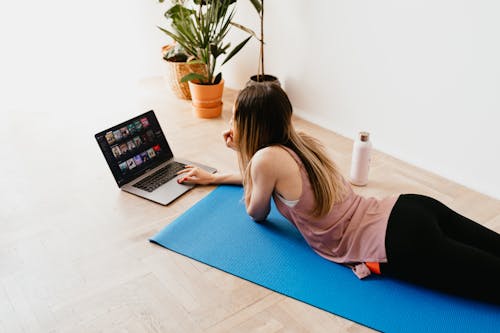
(194, 175)
(263, 179)
(263, 176)
(228, 178)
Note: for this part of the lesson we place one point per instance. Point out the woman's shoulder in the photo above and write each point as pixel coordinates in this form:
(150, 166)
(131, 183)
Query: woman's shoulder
(274, 154)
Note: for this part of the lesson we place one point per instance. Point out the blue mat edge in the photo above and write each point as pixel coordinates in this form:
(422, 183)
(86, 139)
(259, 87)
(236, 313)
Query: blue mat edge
(271, 289)
(208, 197)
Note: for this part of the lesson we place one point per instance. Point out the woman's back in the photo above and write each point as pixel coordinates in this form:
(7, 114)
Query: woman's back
(353, 232)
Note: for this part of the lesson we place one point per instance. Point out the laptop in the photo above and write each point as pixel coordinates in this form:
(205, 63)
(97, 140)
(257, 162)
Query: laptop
(141, 161)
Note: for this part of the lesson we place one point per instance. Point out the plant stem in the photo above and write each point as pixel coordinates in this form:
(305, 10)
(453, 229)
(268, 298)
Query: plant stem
(209, 65)
(262, 39)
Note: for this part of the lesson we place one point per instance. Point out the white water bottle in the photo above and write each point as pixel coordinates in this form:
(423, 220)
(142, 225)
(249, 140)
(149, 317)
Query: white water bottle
(361, 157)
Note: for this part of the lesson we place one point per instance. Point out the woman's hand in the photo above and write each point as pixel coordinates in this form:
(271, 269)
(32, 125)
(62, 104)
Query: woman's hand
(194, 175)
(228, 136)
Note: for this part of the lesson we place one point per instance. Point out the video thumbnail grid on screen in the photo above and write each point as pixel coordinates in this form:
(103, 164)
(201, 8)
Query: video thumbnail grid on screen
(133, 145)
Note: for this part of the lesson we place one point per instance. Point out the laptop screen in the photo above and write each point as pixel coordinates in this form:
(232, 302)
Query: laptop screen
(134, 147)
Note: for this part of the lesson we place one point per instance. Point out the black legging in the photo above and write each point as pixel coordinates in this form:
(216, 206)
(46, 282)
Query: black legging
(429, 244)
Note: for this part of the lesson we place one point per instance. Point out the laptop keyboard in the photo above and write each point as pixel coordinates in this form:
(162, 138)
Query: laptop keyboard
(160, 177)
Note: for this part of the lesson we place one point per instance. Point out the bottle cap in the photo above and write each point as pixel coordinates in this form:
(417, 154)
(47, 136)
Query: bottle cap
(364, 136)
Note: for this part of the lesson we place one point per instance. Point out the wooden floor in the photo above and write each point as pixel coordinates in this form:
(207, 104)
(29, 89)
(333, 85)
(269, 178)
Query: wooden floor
(74, 250)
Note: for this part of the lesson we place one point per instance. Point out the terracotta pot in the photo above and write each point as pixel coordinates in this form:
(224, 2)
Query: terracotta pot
(206, 99)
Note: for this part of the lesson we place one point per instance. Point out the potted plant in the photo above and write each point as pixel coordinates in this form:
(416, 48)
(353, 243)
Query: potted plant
(176, 58)
(201, 33)
(261, 75)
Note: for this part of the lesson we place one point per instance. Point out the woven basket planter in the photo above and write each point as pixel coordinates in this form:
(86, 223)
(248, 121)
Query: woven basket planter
(175, 71)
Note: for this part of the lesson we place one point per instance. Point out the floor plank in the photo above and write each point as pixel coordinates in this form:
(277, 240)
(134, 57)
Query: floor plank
(74, 250)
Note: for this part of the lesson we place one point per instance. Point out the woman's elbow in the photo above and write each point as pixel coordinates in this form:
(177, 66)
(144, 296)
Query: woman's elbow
(257, 216)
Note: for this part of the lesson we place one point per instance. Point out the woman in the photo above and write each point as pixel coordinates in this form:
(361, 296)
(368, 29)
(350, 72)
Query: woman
(410, 237)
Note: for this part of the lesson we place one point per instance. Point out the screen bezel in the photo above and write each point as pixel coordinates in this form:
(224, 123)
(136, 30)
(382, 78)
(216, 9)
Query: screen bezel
(111, 160)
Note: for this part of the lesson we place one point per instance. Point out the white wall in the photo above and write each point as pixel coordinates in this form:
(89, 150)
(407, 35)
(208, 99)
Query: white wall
(422, 76)
(60, 54)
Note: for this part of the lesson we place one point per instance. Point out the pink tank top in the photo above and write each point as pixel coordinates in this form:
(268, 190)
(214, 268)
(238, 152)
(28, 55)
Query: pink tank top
(352, 233)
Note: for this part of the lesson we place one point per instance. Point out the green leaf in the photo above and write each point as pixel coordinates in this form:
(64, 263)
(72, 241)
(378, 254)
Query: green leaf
(224, 49)
(201, 29)
(178, 12)
(257, 4)
(193, 62)
(194, 77)
(216, 51)
(218, 78)
(181, 39)
(241, 27)
(236, 50)
(171, 35)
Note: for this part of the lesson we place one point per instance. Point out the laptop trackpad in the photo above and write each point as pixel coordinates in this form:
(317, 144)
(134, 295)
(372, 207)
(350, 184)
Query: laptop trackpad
(164, 195)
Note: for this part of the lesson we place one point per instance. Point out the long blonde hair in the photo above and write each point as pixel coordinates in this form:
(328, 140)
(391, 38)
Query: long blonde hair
(263, 117)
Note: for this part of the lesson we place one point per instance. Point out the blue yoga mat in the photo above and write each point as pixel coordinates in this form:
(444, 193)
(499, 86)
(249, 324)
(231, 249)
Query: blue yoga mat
(218, 232)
